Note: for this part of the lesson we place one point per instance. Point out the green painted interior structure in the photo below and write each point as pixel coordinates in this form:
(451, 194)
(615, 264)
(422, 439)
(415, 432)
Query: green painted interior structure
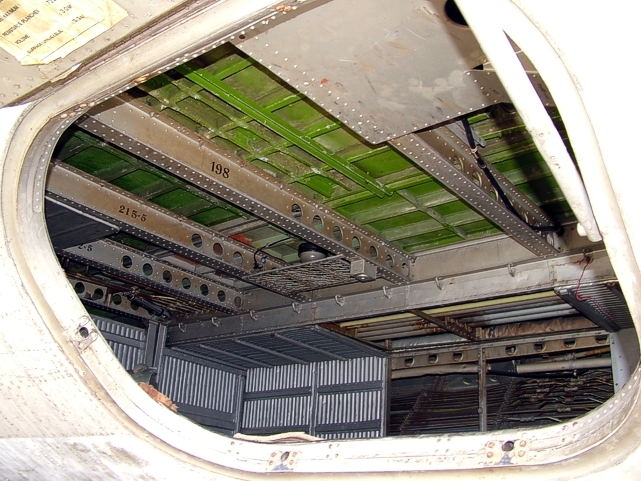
(227, 97)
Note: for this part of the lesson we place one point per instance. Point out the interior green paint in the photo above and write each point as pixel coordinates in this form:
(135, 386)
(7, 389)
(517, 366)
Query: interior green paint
(273, 122)
(232, 100)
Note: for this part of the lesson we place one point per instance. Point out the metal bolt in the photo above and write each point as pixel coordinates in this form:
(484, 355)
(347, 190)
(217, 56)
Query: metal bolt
(490, 454)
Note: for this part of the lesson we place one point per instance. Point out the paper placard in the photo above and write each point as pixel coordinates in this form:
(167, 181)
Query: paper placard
(41, 31)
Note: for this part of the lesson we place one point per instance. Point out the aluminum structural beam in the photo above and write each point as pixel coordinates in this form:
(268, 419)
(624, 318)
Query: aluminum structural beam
(452, 325)
(107, 299)
(534, 276)
(137, 128)
(443, 155)
(482, 380)
(150, 222)
(553, 343)
(146, 270)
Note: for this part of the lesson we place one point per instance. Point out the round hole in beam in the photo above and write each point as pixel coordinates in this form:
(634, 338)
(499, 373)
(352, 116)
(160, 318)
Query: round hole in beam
(186, 283)
(204, 290)
(338, 233)
(196, 240)
(221, 296)
(405, 269)
(147, 269)
(356, 243)
(126, 262)
(79, 287)
(297, 212)
(218, 249)
(166, 276)
(317, 222)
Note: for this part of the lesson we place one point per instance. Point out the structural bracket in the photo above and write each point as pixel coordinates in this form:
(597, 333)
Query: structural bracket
(128, 263)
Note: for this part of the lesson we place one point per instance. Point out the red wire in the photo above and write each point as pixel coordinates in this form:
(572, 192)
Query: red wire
(579, 298)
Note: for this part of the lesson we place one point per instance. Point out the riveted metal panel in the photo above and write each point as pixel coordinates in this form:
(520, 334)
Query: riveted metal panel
(396, 72)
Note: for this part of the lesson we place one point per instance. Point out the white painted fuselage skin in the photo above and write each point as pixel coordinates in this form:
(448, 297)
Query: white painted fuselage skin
(69, 411)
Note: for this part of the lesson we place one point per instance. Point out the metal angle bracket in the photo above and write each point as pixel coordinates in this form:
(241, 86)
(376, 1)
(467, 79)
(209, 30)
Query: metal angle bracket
(428, 156)
(144, 269)
(143, 132)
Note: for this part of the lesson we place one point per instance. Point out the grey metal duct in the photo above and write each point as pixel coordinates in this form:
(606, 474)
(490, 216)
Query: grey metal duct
(568, 365)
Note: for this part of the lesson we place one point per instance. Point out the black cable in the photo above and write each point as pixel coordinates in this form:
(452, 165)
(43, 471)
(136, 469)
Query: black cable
(480, 161)
(259, 265)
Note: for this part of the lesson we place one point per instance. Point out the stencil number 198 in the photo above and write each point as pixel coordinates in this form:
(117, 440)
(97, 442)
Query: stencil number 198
(220, 170)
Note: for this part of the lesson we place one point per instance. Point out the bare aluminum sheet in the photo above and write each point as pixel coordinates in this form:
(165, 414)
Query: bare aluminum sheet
(383, 68)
